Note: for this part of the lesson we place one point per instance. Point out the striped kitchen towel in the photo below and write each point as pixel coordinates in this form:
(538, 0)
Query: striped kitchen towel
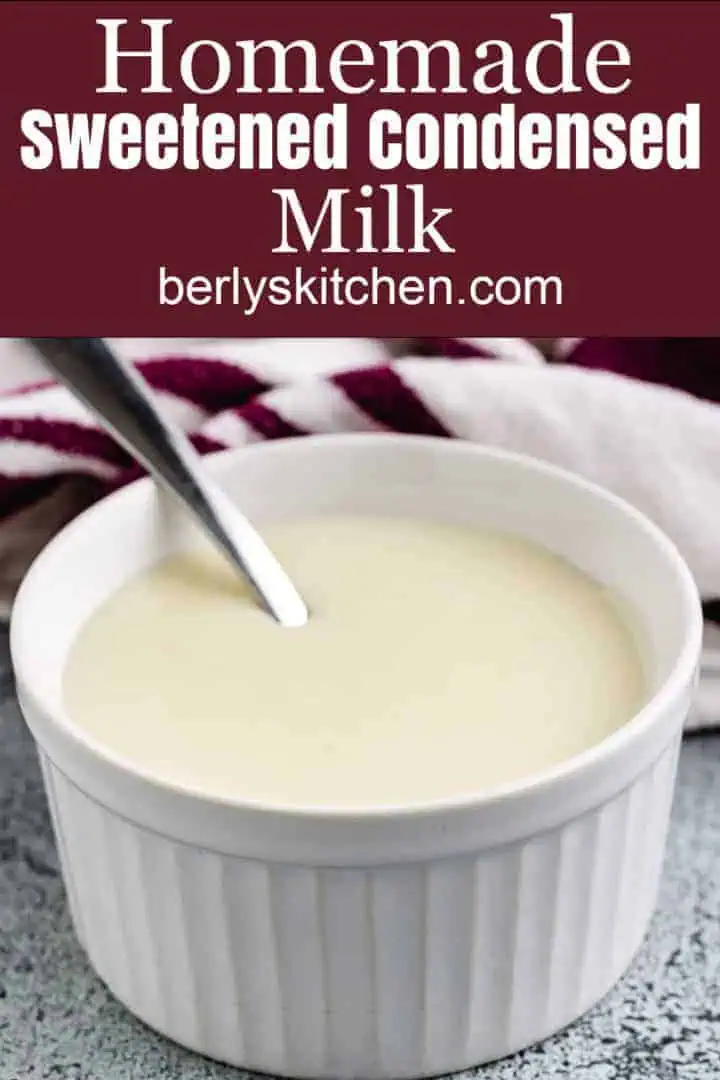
(640, 417)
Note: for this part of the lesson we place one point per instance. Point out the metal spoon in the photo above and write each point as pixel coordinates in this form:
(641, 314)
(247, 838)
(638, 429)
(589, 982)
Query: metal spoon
(118, 395)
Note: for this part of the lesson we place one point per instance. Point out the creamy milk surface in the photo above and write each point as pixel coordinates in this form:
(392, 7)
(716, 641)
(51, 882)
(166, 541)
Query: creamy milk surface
(439, 660)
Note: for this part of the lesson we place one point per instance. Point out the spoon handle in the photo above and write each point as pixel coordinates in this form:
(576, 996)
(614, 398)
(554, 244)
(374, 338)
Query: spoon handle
(118, 395)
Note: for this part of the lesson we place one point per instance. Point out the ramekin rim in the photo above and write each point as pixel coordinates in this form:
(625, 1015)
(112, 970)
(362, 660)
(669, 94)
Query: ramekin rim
(675, 684)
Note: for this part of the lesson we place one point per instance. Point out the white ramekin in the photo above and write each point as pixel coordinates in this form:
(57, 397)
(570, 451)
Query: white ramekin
(393, 943)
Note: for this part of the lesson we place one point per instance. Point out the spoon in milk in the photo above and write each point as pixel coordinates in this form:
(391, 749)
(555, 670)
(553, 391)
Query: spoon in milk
(119, 397)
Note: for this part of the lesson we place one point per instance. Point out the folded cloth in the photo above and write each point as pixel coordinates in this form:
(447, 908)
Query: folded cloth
(651, 442)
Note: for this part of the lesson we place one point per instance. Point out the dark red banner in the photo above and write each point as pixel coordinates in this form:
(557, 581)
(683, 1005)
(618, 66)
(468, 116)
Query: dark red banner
(359, 168)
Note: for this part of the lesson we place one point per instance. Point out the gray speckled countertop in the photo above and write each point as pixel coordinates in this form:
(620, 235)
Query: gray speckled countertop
(58, 1021)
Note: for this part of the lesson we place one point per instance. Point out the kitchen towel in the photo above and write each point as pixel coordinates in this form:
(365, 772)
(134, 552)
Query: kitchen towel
(616, 413)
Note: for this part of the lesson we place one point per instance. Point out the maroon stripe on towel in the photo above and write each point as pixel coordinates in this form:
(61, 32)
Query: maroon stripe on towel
(689, 364)
(382, 395)
(204, 445)
(64, 436)
(267, 422)
(453, 349)
(212, 385)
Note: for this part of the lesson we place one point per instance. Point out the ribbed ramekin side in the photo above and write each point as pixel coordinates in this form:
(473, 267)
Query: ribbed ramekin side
(383, 972)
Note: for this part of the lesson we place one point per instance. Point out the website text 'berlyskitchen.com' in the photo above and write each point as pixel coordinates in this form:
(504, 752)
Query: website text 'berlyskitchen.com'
(332, 287)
